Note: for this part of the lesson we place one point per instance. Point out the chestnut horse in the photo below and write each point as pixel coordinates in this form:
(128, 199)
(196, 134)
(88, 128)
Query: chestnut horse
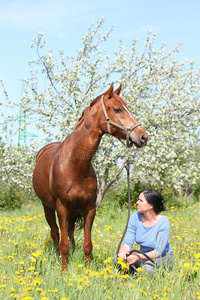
(64, 178)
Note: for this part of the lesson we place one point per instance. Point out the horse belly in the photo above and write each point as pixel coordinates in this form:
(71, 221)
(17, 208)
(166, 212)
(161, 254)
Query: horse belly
(81, 196)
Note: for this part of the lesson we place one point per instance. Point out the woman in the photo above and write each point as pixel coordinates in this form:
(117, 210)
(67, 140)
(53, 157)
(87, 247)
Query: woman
(150, 230)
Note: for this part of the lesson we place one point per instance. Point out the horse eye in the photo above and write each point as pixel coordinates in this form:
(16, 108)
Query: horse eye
(118, 110)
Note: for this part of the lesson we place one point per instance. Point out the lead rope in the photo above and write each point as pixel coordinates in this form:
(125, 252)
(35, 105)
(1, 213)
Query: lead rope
(127, 166)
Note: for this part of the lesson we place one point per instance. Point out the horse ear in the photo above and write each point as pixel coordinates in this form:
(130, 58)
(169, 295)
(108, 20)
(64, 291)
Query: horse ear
(117, 91)
(109, 92)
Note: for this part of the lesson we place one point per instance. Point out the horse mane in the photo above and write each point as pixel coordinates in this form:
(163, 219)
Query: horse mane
(95, 100)
(91, 104)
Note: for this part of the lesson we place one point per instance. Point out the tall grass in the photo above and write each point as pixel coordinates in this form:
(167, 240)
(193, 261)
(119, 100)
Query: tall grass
(30, 269)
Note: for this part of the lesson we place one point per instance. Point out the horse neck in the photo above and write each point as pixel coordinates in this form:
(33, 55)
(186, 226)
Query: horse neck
(83, 142)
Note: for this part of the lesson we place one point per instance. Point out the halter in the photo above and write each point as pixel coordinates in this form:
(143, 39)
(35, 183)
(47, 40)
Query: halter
(111, 122)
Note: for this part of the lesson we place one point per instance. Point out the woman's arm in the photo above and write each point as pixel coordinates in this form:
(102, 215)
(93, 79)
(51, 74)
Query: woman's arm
(131, 259)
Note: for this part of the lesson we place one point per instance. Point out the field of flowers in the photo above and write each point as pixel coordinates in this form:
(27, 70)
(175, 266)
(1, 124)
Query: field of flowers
(30, 269)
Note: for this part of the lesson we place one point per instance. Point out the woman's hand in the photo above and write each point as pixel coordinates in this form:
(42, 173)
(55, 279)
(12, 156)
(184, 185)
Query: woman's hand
(131, 259)
(123, 254)
(124, 251)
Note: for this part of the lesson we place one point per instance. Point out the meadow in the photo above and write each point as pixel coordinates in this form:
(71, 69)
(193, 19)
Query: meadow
(30, 268)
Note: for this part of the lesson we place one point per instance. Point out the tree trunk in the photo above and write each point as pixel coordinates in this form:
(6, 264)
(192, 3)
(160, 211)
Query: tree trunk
(104, 186)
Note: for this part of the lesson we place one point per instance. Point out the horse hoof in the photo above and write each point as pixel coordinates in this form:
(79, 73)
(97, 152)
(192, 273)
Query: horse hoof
(88, 260)
(64, 270)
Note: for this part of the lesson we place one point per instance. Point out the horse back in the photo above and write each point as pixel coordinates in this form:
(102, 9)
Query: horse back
(52, 147)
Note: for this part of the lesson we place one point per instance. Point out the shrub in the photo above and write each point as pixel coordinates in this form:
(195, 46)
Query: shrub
(122, 198)
(168, 193)
(11, 198)
(197, 192)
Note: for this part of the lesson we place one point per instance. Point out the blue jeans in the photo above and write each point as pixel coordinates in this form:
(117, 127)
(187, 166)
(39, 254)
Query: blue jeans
(149, 267)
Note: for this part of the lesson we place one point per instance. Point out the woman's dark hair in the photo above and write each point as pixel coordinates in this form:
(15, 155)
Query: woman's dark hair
(154, 198)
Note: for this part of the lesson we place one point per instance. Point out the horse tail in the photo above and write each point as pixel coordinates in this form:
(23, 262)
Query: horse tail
(79, 222)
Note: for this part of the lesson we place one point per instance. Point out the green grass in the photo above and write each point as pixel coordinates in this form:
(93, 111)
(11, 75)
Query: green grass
(30, 269)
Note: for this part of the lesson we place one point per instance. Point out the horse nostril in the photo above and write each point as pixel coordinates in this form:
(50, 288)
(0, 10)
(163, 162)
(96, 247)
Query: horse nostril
(144, 139)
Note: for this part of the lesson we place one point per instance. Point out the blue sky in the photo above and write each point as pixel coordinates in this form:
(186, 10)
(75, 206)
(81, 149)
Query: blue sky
(63, 24)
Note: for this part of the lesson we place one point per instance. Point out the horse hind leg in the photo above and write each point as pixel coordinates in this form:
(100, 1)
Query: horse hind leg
(71, 226)
(71, 238)
(51, 220)
(75, 218)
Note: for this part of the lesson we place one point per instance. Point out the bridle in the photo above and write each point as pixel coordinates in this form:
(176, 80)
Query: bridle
(111, 122)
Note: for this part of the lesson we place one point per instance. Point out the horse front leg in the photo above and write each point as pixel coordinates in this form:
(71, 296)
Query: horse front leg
(63, 213)
(87, 244)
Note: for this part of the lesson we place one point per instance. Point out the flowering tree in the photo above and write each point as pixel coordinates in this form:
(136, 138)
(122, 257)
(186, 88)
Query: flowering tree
(162, 94)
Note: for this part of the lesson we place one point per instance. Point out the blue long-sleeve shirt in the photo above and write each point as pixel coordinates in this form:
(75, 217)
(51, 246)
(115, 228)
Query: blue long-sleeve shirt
(149, 238)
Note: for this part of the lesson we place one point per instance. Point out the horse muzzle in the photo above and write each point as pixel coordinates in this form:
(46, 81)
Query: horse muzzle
(139, 140)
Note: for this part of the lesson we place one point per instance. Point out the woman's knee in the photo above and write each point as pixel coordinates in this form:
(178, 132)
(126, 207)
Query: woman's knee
(149, 268)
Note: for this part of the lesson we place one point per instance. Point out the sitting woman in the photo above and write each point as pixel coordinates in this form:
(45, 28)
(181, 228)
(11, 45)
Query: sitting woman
(148, 228)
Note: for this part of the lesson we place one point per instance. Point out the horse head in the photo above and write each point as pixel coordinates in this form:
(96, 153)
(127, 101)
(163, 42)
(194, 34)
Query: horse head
(118, 121)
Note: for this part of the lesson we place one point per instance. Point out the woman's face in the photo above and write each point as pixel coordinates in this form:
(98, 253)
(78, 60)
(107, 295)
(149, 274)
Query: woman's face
(142, 204)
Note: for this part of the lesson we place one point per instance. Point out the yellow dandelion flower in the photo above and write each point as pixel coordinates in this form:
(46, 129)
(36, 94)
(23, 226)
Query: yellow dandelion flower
(53, 291)
(124, 276)
(36, 254)
(139, 269)
(29, 289)
(120, 259)
(196, 267)
(139, 279)
(36, 282)
(80, 287)
(186, 266)
(124, 266)
(144, 293)
(108, 260)
(31, 269)
(108, 227)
